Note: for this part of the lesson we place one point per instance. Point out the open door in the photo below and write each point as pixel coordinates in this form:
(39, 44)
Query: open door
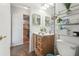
(26, 29)
(5, 29)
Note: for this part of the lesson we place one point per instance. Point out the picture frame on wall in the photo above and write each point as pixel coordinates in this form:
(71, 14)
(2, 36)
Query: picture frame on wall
(36, 19)
(47, 21)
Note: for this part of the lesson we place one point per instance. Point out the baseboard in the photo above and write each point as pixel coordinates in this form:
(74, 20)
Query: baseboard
(16, 45)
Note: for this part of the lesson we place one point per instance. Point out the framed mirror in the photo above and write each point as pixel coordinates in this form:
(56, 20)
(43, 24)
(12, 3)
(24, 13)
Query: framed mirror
(36, 19)
(47, 21)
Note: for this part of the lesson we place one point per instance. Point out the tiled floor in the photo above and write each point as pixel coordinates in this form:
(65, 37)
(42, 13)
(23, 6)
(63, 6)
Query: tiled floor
(21, 50)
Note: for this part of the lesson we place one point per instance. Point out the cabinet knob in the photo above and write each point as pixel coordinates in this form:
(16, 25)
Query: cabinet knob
(1, 37)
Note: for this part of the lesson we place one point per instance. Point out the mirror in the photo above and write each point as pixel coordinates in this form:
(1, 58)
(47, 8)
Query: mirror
(36, 19)
(47, 21)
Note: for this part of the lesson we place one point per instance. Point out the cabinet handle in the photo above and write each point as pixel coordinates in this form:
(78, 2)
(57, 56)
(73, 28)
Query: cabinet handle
(1, 37)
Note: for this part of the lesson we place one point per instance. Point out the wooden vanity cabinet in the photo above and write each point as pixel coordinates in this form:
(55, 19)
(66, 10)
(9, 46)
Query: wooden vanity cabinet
(43, 44)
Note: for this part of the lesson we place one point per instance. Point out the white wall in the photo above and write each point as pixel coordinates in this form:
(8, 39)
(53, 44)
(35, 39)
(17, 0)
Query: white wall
(5, 29)
(17, 25)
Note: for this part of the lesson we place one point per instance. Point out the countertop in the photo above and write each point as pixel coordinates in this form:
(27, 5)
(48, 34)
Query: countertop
(43, 34)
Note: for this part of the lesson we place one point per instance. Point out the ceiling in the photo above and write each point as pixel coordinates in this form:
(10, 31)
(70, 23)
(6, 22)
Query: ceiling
(29, 5)
(33, 6)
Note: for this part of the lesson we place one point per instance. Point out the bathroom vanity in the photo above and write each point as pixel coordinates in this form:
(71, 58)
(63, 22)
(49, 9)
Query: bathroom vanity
(43, 43)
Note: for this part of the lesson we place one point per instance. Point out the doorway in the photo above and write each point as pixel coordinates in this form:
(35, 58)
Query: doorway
(26, 30)
(22, 50)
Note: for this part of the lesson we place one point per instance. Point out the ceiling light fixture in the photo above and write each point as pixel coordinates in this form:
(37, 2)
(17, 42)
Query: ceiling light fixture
(52, 4)
(25, 7)
(45, 6)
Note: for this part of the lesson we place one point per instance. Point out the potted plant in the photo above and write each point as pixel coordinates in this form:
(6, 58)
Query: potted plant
(67, 5)
(59, 20)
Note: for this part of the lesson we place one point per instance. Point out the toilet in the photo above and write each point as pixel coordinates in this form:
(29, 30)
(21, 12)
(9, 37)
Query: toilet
(65, 49)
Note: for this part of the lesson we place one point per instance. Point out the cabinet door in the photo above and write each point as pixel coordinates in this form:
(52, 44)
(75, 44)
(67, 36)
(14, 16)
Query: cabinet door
(50, 43)
(44, 45)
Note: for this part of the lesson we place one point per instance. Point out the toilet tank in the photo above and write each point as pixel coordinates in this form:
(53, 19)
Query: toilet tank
(66, 49)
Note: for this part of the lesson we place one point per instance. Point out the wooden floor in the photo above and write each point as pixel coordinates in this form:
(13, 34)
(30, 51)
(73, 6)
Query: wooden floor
(21, 50)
